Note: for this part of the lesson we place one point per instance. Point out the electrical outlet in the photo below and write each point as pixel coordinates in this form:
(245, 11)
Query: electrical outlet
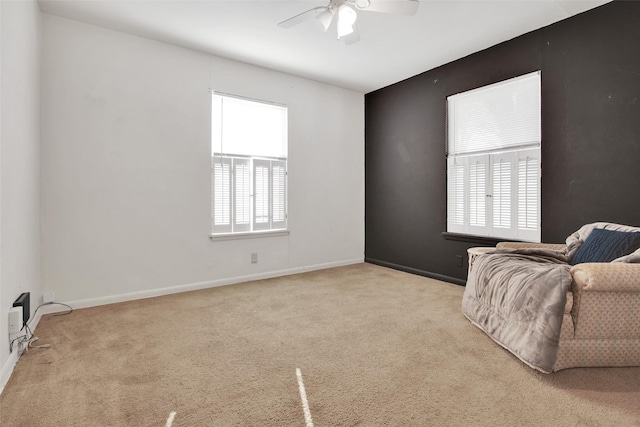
(459, 260)
(254, 258)
(48, 297)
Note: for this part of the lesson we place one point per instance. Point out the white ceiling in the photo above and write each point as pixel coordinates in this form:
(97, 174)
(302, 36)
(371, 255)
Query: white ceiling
(392, 47)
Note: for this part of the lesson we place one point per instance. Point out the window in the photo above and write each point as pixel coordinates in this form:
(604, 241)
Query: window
(493, 160)
(249, 166)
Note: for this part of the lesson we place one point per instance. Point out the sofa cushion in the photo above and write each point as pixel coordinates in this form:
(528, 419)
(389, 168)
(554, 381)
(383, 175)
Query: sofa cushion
(576, 239)
(632, 258)
(606, 245)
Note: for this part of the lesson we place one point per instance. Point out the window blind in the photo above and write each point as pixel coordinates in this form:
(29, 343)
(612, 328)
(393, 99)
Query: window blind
(477, 192)
(248, 128)
(221, 195)
(456, 195)
(529, 175)
(242, 193)
(493, 163)
(279, 194)
(262, 197)
(495, 117)
(501, 192)
(249, 165)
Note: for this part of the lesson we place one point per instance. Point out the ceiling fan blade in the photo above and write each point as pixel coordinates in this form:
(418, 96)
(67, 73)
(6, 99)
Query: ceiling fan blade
(399, 7)
(304, 16)
(323, 20)
(351, 38)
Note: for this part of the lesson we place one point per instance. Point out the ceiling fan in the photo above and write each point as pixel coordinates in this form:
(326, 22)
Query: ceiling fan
(345, 11)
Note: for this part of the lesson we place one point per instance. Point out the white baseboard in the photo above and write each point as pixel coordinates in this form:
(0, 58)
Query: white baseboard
(7, 369)
(12, 360)
(111, 299)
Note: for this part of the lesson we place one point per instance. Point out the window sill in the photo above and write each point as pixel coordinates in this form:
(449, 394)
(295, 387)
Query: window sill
(248, 235)
(478, 240)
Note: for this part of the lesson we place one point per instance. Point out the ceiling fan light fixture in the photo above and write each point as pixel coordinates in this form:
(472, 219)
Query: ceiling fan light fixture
(324, 20)
(346, 18)
(345, 12)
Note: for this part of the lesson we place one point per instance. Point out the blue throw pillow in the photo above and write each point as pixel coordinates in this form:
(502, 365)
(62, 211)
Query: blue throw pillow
(606, 245)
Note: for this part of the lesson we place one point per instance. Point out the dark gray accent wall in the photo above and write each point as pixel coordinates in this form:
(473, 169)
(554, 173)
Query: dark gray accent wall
(590, 66)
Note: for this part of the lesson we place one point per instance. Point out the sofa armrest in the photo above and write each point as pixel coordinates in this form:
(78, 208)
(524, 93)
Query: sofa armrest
(525, 245)
(606, 277)
(606, 297)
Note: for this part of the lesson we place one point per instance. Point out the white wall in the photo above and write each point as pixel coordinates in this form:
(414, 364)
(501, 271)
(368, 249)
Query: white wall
(19, 165)
(126, 168)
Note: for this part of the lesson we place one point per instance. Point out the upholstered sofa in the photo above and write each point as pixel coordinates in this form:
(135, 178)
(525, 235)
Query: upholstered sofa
(600, 324)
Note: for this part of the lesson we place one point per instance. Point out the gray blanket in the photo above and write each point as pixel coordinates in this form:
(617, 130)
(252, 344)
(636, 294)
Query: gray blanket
(517, 297)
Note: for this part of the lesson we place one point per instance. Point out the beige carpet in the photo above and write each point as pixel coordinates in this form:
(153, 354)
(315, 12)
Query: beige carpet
(375, 347)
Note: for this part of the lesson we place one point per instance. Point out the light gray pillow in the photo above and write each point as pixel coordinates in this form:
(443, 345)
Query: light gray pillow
(633, 257)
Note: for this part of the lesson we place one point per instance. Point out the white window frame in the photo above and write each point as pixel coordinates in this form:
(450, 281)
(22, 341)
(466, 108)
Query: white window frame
(243, 204)
(494, 183)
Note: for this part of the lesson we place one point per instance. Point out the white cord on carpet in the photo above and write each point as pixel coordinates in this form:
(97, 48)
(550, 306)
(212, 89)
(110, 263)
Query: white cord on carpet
(172, 415)
(303, 397)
